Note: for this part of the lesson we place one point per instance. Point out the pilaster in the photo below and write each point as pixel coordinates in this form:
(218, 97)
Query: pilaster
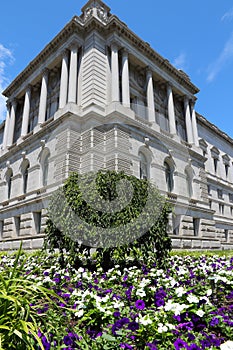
(188, 120)
(115, 72)
(194, 124)
(26, 111)
(150, 96)
(7, 125)
(125, 79)
(12, 123)
(72, 89)
(43, 97)
(64, 79)
(171, 111)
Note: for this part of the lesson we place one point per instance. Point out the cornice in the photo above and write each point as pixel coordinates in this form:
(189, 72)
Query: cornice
(214, 128)
(56, 42)
(76, 25)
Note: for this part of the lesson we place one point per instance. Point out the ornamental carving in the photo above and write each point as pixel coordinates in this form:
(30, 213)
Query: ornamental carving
(95, 9)
(137, 78)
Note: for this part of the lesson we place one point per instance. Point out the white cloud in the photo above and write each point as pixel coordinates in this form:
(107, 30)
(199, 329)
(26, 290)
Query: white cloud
(228, 16)
(6, 58)
(225, 56)
(180, 61)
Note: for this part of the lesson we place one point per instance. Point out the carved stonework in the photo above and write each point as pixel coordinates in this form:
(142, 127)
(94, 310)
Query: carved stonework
(137, 78)
(96, 8)
(160, 97)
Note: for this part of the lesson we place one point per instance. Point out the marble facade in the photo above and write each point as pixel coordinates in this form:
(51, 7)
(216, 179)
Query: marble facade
(99, 97)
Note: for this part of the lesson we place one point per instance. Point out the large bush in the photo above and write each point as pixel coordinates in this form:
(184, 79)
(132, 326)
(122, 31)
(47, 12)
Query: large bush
(115, 213)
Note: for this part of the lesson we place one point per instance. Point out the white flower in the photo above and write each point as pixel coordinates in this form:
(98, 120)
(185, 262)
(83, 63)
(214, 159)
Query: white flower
(200, 313)
(140, 293)
(145, 320)
(118, 305)
(209, 292)
(79, 313)
(180, 291)
(227, 346)
(192, 299)
(162, 328)
(174, 307)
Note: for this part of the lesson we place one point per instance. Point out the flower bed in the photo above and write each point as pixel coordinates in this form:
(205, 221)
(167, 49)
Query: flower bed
(187, 306)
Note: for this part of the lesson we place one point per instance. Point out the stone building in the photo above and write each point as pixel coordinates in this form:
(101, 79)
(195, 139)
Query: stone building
(98, 96)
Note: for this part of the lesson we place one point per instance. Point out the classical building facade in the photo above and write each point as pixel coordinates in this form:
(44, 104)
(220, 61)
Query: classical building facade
(99, 97)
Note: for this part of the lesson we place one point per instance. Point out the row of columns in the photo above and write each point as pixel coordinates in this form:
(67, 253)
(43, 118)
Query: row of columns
(190, 115)
(68, 93)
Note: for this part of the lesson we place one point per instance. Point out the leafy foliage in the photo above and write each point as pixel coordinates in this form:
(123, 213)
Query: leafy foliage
(117, 214)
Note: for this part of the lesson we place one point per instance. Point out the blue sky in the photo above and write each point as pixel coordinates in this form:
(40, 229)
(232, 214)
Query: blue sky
(196, 36)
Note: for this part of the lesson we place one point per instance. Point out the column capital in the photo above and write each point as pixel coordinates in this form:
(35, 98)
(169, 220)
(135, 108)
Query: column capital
(13, 102)
(169, 85)
(65, 53)
(149, 71)
(186, 99)
(29, 88)
(45, 73)
(74, 46)
(125, 52)
(8, 104)
(114, 45)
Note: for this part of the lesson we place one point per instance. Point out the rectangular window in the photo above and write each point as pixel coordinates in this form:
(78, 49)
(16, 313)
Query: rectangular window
(209, 190)
(219, 192)
(226, 169)
(226, 234)
(221, 209)
(215, 164)
(1, 228)
(17, 225)
(231, 197)
(196, 224)
(37, 221)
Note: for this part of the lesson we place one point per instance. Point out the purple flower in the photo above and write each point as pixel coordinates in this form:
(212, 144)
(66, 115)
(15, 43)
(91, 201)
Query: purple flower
(126, 346)
(159, 302)
(140, 305)
(214, 321)
(194, 347)
(116, 314)
(133, 326)
(180, 344)
(151, 346)
(67, 340)
(45, 343)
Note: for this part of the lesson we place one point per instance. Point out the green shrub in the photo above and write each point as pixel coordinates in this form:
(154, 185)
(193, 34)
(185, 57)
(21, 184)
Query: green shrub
(115, 213)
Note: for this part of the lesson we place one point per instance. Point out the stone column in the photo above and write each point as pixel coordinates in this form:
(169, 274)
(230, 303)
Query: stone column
(125, 79)
(194, 124)
(72, 90)
(150, 96)
(171, 111)
(43, 97)
(26, 111)
(11, 130)
(64, 80)
(115, 73)
(6, 127)
(188, 121)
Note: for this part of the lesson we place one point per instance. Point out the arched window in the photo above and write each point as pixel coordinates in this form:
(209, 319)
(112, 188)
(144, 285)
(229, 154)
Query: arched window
(189, 182)
(45, 170)
(169, 170)
(9, 176)
(25, 168)
(143, 166)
